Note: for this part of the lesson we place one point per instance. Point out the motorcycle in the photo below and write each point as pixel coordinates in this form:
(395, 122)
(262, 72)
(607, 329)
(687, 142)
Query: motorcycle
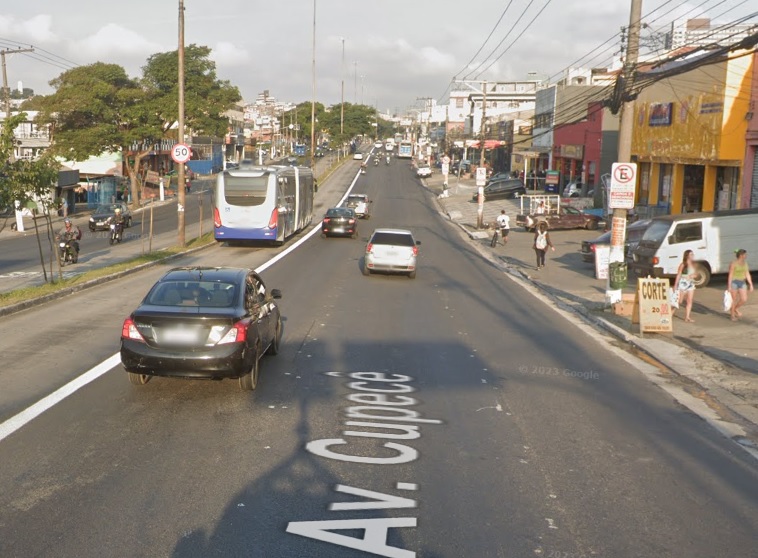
(376, 162)
(363, 169)
(68, 254)
(117, 230)
(388, 159)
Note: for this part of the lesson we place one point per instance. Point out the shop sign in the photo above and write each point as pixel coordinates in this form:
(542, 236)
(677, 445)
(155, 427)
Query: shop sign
(652, 309)
(660, 114)
(572, 151)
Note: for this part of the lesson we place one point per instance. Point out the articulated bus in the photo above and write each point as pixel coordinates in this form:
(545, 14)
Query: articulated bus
(269, 203)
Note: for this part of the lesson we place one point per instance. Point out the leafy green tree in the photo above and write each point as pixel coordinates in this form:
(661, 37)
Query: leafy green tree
(358, 120)
(206, 97)
(97, 109)
(30, 183)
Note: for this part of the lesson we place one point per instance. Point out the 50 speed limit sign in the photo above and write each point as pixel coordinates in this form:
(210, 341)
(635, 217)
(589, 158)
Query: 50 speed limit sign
(181, 153)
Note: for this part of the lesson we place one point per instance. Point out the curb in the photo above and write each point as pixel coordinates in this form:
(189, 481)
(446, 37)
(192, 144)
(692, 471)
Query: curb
(18, 307)
(734, 403)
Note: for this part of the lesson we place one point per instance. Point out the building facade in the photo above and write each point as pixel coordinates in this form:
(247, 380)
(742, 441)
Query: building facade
(689, 137)
(749, 196)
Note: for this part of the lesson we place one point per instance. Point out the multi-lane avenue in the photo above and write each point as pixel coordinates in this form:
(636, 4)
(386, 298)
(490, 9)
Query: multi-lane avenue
(450, 416)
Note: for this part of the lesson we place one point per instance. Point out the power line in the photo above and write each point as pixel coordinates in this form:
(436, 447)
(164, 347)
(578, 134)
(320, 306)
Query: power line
(502, 15)
(523, 13)
(517, 38)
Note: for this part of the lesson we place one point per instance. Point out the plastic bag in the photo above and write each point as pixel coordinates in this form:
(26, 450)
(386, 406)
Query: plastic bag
(727, 304)
(673, 298)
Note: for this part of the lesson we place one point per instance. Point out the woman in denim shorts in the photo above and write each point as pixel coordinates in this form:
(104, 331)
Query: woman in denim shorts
(685, 284)
(739, 280)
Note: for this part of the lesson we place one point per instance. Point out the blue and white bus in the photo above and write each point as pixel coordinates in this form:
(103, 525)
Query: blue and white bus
(262, 203)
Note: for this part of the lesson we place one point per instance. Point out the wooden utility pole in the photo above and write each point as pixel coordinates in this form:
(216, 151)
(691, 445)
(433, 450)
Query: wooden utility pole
(313, 102)
(7, 89)
(618, 223)
(181, 187)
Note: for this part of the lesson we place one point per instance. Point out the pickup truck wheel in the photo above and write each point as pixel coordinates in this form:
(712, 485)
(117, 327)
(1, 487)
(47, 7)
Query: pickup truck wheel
(592, 225)
(702, 275)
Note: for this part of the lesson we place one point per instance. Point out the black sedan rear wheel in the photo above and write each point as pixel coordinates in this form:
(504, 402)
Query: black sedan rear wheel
(139, 379)
(273, 349)
(249, 381)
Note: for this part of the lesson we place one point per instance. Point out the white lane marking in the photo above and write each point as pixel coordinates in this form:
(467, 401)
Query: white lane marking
(30, 413)
(498, 407)
(21, 419)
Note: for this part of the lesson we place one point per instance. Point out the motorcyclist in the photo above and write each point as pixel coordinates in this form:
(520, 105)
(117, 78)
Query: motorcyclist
(70, 233)
(388, 158)
(363, 167)
(118, 220)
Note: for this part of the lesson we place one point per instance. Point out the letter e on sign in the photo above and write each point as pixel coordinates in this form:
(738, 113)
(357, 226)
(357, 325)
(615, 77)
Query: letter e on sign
(181, 153)
(623, 186)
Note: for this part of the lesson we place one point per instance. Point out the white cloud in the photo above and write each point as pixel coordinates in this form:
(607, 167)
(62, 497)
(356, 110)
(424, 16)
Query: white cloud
(226, 54)
(37, 29)
(114, 40)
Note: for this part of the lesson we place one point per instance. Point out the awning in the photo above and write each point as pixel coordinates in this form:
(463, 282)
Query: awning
(488, 144)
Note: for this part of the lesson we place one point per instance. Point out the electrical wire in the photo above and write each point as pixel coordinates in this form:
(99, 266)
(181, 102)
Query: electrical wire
(502, 15)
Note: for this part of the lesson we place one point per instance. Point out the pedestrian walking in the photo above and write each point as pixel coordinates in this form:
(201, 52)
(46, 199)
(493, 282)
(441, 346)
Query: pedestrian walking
(503, 228)
(739, 281)
(541, 244)
(540, 208)
(684, 283)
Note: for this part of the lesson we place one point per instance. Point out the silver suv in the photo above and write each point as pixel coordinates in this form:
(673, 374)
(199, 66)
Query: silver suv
(391, 251)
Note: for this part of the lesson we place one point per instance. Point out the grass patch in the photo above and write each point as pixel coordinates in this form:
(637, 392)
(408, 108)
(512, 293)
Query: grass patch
(25, 294)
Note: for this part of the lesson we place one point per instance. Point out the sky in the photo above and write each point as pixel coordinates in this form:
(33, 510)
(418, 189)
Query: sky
(395, 51)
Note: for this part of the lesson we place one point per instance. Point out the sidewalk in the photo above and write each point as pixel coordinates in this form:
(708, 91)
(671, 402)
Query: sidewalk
(719, 355)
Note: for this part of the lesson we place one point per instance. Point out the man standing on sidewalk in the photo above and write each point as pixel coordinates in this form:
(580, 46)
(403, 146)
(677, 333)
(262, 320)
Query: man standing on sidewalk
(504, 225)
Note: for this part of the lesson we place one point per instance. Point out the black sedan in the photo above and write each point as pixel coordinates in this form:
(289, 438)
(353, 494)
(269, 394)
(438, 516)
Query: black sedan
(339, 221)
(205, 323)
(502, 188)
(102, 216)
(634, 234)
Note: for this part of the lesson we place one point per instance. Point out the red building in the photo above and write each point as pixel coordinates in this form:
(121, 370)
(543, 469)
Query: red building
(587, 149)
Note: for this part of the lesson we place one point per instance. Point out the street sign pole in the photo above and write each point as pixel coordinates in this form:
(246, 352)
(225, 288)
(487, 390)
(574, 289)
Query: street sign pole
(620, 200)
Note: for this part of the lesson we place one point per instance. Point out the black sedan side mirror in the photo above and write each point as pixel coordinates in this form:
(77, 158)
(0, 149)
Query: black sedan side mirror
(418, 243)
(276, 293)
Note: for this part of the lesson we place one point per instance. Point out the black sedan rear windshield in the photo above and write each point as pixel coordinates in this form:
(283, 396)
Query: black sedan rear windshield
(339, 212)
(192, 293)
(393, 239)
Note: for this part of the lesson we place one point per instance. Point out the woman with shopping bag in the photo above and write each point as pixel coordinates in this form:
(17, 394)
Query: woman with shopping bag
(738, 282)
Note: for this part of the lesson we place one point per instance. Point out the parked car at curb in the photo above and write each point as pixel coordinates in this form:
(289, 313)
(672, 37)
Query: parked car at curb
(424, 171)
(204, 323)
(339, 221)
(103, 215)
(634, 233)
(566, 217)
(391, 251)
(502, 189)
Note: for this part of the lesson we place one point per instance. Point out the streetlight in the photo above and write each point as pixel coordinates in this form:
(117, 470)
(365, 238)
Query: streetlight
(313, 101)
(342, 98)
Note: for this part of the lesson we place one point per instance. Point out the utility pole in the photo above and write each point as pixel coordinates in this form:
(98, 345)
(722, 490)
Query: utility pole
(362, 76)
(342, 94)
(7, 89)
(616, 269)
(181, 187)
(355, 82)
(480, 197)
(313, 102)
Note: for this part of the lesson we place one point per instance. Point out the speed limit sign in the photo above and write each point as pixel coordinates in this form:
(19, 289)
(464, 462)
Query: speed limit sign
(181, 153)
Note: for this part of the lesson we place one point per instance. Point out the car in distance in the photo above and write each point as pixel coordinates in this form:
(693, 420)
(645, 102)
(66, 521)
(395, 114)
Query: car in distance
(358, 156)
(377, 145)
(502, 189)
(360, 204)
(424, 171)
(339, 221)
(205, 323)
(103, 215)
(391, 251)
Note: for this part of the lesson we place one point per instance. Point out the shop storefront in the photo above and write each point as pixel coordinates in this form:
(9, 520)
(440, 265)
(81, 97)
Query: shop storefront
(689, 140)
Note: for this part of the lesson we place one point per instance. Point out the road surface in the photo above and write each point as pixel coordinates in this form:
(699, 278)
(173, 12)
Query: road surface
(512, 433)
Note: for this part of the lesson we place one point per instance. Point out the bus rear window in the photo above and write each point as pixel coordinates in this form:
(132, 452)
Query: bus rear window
(245, 190)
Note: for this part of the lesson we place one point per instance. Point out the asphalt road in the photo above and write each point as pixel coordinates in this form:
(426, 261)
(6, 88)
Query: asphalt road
(512, 433)
(20, 264)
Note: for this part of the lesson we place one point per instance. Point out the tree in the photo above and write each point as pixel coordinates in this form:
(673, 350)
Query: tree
(97, 109)
(28, 183)
(206, 97)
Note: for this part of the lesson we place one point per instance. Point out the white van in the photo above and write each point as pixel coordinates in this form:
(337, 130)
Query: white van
(713, 238)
